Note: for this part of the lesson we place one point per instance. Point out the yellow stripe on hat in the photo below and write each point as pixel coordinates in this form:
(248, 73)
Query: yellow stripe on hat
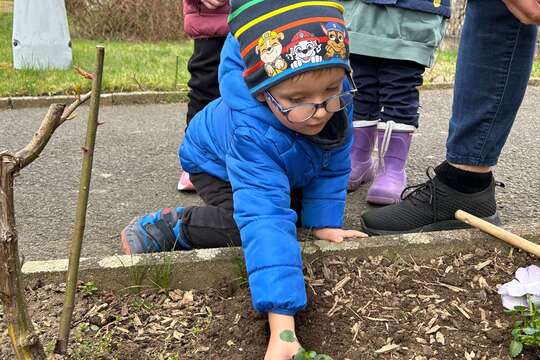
(261, 18)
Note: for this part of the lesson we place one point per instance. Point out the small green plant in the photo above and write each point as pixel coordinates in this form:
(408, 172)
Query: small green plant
(526, 331)
(89, 289)
(310, 355)
(93, 349)
(136, 274)
(302, 354)
(241, 270)
(140, 304)
(196, 330)
(160, 274)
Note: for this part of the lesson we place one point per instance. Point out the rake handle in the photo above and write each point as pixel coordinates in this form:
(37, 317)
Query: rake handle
(499, 233)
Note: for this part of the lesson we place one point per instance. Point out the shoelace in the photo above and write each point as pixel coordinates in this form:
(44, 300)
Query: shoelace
(424, 192)
(385, 142)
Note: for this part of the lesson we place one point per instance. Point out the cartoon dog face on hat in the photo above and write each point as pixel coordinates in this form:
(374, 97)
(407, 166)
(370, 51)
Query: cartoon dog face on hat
(269, 49)
(303, 49)
(336, 40)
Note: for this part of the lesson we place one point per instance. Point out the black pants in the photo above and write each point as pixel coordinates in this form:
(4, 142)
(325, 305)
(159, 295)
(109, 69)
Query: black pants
(213, 225)
(387, 89)
(203, 68)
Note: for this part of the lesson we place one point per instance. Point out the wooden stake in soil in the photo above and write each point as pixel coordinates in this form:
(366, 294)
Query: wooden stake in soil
(499, 233)
(82, 203)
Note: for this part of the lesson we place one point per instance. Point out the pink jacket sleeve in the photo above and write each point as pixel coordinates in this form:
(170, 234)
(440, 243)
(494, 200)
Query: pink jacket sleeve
(200, 22)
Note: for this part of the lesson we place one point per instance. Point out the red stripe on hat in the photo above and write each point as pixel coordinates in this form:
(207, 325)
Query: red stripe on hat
(254, 68)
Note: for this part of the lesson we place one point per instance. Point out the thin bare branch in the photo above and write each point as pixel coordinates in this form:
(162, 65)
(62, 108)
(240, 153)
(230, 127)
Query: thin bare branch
(74, 105)
(56, 116)
(41, 137)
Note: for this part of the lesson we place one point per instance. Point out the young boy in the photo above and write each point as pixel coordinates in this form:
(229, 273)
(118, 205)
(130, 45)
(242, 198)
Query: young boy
(278, 139)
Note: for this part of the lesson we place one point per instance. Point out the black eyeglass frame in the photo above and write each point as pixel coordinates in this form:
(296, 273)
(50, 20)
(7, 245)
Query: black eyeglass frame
(316, 107)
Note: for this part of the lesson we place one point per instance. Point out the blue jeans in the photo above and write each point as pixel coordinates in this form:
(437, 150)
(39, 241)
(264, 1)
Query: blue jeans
(493, 67)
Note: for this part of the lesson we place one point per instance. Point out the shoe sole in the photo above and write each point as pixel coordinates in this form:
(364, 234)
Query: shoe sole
(124, 241)
(355, 185)
(377, 200)
(187, 189)
(438, 226)
(125, 244)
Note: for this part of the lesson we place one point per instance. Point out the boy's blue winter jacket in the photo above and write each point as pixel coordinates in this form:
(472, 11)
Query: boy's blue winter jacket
(237, 138)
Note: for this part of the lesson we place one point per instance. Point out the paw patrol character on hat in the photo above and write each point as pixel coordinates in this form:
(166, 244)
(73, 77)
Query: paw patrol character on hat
(304, 48)
(269, 48)
(336, 40)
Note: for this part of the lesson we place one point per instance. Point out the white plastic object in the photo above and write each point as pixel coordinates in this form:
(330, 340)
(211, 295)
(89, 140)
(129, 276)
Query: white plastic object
(41, 35)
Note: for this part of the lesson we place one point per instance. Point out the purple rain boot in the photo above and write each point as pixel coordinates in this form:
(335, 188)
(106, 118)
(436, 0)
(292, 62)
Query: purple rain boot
(394, 141)
(365, 134)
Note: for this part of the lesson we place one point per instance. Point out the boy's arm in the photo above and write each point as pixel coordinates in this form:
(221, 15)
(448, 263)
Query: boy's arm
(267, 224)
(323, 199)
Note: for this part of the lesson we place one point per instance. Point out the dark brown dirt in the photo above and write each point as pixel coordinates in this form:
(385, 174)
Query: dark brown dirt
(444, 308)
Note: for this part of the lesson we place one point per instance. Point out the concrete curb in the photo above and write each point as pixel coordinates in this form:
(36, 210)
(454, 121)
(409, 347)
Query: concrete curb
(200, 269)
(145, 97)
(142, 97)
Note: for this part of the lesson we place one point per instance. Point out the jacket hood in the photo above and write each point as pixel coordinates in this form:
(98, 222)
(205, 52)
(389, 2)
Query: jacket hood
(234, 90)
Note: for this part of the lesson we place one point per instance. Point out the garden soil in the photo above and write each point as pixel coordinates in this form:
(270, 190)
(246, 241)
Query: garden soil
(359, 308)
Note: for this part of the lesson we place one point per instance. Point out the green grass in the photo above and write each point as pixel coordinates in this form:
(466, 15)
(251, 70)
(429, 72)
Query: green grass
(445, 64)
(133, 66)
(128, 66)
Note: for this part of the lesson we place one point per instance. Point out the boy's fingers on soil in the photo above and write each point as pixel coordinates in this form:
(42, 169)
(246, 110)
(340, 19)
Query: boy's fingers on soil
(336, 239)
(355, 233)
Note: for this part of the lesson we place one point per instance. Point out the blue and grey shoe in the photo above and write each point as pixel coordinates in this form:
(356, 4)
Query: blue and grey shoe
(155, 232)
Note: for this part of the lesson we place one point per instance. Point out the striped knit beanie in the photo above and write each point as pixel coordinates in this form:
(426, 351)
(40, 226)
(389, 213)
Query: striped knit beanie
(281, 39)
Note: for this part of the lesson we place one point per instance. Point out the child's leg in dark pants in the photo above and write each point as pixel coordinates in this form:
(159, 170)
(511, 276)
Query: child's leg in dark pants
(203, 69)
(203, 85)
(366, 116)
(168, 229)
(211, 225)
(399, 98)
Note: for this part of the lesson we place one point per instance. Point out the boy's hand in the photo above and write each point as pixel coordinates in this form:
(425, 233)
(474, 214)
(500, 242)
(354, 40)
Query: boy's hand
(337, 235)
(281, 350)
(283, 344)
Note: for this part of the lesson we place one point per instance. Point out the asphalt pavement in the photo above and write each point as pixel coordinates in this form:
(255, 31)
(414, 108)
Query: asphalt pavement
(136, 170)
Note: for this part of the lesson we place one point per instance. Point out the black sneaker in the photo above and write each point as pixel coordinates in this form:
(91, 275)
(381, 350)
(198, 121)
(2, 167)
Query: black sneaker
(430, 207)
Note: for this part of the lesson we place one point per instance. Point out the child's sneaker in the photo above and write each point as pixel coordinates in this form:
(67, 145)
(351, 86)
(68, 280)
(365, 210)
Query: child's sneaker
(184, 184)
(154, 232)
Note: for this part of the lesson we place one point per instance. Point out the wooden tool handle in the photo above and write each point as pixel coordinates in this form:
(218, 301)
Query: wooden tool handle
(499, 233)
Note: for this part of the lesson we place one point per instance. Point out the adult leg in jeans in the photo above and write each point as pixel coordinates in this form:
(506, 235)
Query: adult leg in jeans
(494, 64)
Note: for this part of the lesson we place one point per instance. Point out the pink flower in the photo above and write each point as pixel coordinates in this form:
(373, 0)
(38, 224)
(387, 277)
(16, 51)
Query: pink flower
(527, 282)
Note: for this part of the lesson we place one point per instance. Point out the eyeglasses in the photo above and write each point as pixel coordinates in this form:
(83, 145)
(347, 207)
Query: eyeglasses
(303, 112)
